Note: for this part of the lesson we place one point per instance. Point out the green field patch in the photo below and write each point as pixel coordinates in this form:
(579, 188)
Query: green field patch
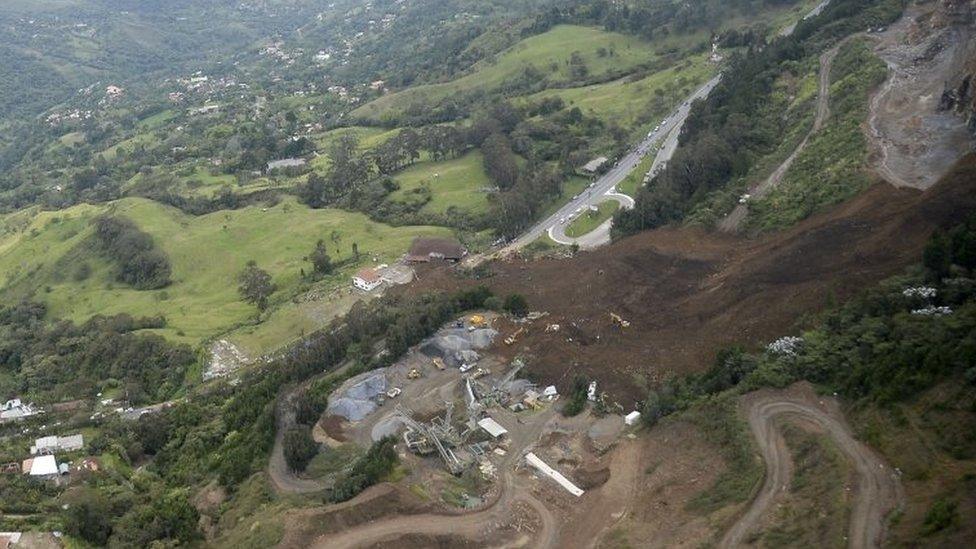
(629, 103)
(72, 139)
(206, 252)
(635, 179)
(590, 220)
(456, 183)
(550, 52)
(368, 138)
(157, 120)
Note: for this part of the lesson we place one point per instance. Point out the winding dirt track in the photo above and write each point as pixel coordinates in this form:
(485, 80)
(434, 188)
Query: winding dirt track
(472, 526)
(733, 220)
(878, 489)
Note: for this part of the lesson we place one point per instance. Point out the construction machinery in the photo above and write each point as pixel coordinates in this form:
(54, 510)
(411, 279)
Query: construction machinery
(512, 338)
(413, 374)
(438, 363)
(619, 321)
(440, 436)
(477, 321)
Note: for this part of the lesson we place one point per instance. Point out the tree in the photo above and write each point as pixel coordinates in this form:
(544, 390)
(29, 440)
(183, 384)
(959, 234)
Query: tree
(87, 515)
(321, 262)
(299, 448)
(255, 285)
(516, 305)
(308, 408)
(936, 255)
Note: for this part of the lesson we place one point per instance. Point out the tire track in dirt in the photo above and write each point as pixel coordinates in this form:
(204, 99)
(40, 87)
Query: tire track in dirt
(878, 490)
(731, 222)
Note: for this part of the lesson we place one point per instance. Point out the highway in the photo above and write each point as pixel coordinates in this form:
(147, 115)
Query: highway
(605, 187)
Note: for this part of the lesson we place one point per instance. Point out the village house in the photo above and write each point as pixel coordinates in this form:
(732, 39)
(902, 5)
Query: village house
(15, 409)
(51, 444)
(367, 280)
(425, 250)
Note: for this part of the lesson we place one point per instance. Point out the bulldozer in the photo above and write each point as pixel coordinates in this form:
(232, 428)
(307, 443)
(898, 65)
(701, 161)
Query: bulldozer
(438, 363)
(476, 321)
(413, 374)
(619, 321)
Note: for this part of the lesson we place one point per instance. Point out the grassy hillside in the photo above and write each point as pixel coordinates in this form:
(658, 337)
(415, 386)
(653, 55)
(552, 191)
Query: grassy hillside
(206, 252)
(627, 102)
(603, 53)
(455, 183)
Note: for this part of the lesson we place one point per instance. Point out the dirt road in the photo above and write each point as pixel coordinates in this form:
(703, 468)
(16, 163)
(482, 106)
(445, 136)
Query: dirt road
(473, 526)
(731, 222)
(282, 478)
(878, 488)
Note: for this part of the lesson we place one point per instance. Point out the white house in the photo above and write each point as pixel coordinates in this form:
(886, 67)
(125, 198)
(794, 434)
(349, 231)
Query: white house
(367, 280)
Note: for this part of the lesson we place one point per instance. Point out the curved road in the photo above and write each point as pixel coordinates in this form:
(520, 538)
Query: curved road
(878, 488)
(469, 525)
(595, 238)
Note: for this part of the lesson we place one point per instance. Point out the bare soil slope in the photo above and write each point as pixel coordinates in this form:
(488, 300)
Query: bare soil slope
(688, 293)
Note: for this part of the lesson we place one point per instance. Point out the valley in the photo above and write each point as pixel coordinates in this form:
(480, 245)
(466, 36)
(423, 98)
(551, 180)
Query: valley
(389, 273)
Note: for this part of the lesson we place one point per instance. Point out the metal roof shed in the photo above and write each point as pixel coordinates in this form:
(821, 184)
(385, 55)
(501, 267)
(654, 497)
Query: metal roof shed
(492, 426)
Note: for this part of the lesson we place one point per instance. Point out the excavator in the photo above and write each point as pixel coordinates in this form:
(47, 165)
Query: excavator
(511, 339)
(619, 321)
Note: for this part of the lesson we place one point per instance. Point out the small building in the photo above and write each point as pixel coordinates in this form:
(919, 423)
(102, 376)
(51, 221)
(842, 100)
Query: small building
(367, 280)
(594, 165)
(7, 539)
(492, 427)
(41, 466)
(51, 444)
(15, 409)
(632, 418)
(285, 163)
(425, 250)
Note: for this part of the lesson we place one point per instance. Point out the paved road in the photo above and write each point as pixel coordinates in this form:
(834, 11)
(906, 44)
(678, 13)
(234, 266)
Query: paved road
(598, 236)
(597, 192)
(878, 490)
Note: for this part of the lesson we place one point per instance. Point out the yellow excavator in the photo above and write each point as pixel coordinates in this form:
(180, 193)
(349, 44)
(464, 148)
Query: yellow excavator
(619, 321)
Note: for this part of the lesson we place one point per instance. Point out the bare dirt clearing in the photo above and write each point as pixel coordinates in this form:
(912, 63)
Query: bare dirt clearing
(914, 143)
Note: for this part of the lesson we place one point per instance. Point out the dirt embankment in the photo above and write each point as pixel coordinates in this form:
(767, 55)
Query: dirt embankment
(688, 293)
(913, 142)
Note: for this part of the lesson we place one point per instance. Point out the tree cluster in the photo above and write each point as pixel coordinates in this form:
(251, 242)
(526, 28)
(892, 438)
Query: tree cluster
(138, 261)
